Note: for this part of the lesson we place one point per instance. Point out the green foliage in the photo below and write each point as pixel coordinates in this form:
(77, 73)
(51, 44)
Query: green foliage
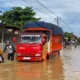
(68, 35)
(78, 40)
(17, 16)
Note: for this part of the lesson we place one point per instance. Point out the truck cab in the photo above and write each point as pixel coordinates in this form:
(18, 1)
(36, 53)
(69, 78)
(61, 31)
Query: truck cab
(30, 47)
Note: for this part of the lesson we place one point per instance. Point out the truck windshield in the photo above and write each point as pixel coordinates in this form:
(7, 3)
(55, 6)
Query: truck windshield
(30, 39)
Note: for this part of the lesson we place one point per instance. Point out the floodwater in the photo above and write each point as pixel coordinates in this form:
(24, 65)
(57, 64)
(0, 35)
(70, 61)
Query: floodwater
(66, 67)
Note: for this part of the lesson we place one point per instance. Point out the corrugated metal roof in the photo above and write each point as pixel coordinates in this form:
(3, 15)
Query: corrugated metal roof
(55, 29)
(9, 27)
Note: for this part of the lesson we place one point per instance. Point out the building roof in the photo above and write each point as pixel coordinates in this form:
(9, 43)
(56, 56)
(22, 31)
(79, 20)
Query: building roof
(9, 27)
(56, 30)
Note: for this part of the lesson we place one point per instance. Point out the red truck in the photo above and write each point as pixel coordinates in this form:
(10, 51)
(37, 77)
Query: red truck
(38, 41)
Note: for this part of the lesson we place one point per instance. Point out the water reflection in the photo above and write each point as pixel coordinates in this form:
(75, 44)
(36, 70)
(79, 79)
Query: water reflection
(46, 70)
(66, 67)
(54, 70)
(7, 72)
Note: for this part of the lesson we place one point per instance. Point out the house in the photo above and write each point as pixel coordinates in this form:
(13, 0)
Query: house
(8, 33)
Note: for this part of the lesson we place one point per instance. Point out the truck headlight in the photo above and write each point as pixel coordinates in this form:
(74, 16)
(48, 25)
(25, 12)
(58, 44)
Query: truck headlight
(38, 54)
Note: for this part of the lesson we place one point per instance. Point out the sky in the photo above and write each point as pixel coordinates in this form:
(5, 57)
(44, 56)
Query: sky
(67, 11)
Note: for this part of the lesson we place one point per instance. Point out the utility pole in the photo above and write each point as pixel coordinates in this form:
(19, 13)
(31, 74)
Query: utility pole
(2, 39)
(2, 35)
(57, 20)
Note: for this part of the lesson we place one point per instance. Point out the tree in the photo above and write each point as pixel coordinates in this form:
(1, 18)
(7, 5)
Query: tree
(17, 16)
(78, 40)
(68, 35)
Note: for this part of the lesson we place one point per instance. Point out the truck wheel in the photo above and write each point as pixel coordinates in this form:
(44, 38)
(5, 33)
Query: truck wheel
(47, 57)
(59, 53)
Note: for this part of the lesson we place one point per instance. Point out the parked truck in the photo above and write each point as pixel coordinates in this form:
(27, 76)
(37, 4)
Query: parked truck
(38, 41)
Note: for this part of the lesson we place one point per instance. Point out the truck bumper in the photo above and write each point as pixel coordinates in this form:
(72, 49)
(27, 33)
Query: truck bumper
(19, 58)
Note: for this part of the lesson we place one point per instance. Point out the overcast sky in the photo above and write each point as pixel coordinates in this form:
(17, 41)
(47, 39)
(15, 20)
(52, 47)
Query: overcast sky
(67, 10)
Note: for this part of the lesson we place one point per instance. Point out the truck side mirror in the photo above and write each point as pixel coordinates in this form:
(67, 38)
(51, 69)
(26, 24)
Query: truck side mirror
(14, 40)
(44, 40)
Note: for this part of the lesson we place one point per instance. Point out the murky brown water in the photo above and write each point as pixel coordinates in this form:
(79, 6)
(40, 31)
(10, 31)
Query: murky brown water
(65, 68)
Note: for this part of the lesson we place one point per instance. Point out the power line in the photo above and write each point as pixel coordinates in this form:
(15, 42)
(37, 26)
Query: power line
(75, 18)
(50, 12)
(53, 13)
(44, 12)
(37, 8)
(66, 25)
(46, 7)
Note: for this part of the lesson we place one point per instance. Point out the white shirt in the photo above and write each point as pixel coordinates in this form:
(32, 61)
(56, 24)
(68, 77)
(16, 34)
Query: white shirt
(10, 49)
(0, 59)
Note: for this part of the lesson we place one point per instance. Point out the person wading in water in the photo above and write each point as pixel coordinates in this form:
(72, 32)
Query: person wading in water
(10, 49)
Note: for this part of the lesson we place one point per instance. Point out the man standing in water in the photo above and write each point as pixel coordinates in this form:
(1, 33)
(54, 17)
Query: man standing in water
(10, 49)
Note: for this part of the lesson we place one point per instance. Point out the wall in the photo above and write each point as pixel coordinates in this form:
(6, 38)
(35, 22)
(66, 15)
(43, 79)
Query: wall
(7, 37)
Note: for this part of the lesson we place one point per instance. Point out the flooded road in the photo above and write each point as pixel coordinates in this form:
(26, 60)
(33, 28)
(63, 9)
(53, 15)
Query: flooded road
(67, 67)
(71, 63)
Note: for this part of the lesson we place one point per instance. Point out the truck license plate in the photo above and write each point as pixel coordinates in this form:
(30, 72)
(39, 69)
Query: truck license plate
(27, 58)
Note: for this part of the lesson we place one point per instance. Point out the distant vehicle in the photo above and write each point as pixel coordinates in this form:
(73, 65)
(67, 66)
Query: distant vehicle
(38, 41)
